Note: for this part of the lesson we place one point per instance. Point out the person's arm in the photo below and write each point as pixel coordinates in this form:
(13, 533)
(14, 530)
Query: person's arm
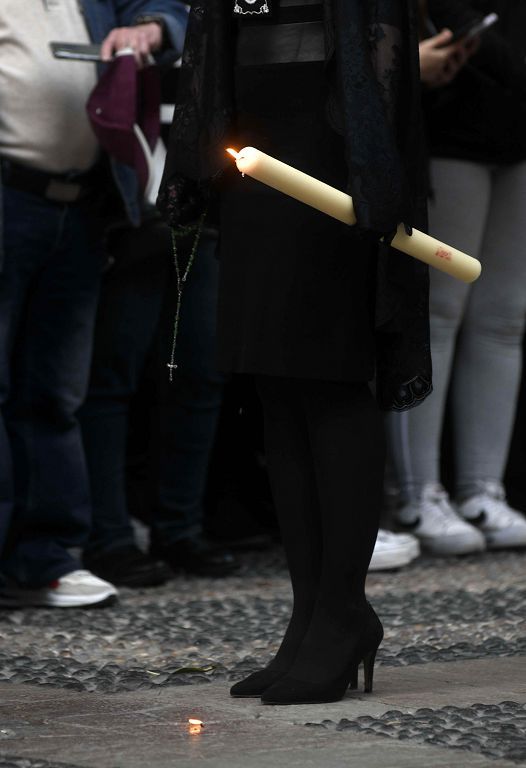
(147, 26)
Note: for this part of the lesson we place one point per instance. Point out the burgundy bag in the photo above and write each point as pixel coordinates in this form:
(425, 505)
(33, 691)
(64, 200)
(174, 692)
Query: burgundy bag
(124, 110)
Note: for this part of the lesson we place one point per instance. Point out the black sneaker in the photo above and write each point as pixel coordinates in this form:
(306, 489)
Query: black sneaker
(196, 556)
(128, 567)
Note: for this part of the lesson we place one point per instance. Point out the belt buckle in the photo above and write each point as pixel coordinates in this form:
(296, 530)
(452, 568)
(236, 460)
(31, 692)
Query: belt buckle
(62, 191)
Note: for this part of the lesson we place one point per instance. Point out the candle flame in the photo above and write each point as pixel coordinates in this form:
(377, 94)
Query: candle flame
(192, 721)
(233, 152)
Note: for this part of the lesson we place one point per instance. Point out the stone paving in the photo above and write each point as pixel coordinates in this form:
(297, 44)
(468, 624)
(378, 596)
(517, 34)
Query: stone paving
(84, 688)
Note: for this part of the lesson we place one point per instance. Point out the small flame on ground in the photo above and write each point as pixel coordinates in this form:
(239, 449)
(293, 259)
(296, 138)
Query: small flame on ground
(233, 152)
(195, 726)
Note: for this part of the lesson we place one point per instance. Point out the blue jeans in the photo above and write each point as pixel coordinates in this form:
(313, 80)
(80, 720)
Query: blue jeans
(48, 296)
(133, 338)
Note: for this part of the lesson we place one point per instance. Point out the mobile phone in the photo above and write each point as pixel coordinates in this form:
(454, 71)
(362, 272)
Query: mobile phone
(76, 51)
(471, 30)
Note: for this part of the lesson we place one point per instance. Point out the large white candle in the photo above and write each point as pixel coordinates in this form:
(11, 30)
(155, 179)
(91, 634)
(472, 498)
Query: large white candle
(339, 205)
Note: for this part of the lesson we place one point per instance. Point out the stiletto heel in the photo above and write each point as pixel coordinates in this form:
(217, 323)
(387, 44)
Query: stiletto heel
(364, 641)
(368, 671)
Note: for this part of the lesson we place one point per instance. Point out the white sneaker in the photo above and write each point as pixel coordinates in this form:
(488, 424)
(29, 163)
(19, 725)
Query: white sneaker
(438, 527)
(73, 590)
(501, 525)
(393, 550)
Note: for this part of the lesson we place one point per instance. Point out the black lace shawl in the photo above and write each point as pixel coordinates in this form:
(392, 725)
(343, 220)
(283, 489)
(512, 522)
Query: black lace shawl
(372, 60)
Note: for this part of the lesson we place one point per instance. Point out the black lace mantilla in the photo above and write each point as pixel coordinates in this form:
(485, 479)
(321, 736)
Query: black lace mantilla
(372, 61)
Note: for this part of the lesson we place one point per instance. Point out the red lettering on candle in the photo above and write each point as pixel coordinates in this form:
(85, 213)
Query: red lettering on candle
(443, 253)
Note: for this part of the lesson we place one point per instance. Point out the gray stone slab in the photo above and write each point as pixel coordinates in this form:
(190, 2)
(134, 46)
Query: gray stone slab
(245, 745)
(150, 728)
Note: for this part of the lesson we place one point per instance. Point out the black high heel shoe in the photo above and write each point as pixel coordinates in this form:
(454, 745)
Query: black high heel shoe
(256, 684)
(291, 690)
(368, 673)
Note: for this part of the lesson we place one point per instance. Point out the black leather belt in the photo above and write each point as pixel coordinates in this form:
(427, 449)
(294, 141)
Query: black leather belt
(56, 187)
(281, 43)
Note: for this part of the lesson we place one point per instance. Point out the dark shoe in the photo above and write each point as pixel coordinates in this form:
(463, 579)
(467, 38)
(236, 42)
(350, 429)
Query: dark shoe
(197, 556)
(128, 567)
(233, 525)
(363, 644)
(288, 690)
(255, 684)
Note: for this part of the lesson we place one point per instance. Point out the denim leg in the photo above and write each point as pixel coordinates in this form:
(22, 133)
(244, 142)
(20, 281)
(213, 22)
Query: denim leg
(11, 296)
(6, 485)
(26, 243)
(131, 300)
(51, 274)
(189, 406)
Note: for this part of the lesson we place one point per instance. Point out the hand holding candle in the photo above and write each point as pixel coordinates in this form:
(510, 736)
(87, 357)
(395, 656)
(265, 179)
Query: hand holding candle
(339, 205)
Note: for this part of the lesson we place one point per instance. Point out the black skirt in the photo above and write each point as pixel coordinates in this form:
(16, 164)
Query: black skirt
(296, 286)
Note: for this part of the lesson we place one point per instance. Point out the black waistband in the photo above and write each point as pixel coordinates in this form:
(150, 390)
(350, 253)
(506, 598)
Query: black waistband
(281, 44)
(56, 187)
(288, 12)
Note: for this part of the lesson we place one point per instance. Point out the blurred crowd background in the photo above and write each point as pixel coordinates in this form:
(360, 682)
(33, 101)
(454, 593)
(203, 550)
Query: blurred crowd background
(103, 424)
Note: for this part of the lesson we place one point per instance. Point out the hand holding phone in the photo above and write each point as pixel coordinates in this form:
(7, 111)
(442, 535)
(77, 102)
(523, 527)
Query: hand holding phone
(440, 59)
(470, 31)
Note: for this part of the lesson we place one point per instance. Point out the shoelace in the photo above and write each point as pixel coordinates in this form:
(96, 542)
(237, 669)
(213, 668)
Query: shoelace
(436, 507)
(76, 576)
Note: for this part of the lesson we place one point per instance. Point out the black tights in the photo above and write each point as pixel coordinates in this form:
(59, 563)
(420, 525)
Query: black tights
(325, 454)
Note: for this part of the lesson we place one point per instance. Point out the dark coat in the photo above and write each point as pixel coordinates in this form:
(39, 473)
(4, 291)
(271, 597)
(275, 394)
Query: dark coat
(375, 104)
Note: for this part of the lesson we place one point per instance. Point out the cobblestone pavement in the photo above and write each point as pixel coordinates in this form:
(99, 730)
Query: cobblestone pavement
(495, 730)
(194, 631)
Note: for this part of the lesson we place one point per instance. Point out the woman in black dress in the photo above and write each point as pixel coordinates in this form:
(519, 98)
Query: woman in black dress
(313, 308)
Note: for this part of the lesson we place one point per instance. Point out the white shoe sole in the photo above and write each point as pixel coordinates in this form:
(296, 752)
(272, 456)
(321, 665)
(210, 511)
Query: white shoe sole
(37, 599)
(414, 549)
(460, 544)
(385, 561)
(507, 538)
